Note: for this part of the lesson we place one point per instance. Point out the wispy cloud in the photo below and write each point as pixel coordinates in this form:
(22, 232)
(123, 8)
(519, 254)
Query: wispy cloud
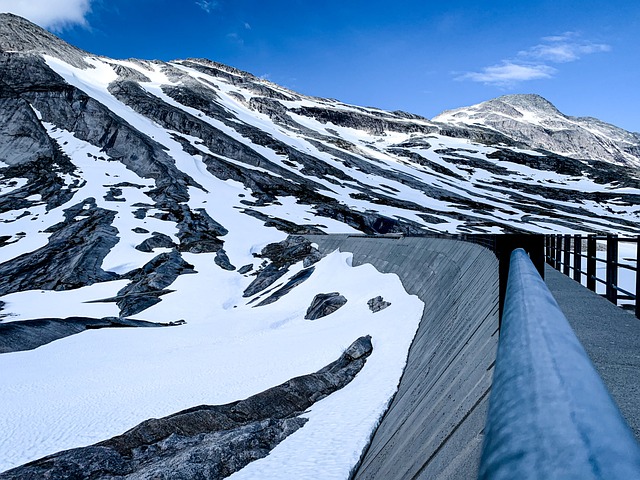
(53, 14)
(536, 62)
(207, 5)
(564, 48)
(508, 73)
(247, 26)
(235, 39)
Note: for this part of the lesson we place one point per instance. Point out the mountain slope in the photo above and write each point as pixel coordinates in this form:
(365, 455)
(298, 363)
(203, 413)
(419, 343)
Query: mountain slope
(161, 194)
(535, 121)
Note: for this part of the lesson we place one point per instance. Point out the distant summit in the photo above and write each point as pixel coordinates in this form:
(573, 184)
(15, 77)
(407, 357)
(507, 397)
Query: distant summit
(533, 120)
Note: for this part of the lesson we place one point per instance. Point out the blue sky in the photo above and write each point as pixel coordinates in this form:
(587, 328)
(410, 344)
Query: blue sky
(418, 56)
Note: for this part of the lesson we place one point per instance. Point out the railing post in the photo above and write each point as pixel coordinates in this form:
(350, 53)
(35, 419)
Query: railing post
(638, 276)
(591, 262)
(612, 268)
(551, 240)
(546, 248)
(577, 258)
(567, 255)
(558, 254)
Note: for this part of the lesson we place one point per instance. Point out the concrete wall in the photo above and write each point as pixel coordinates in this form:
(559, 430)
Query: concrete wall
(434, 425)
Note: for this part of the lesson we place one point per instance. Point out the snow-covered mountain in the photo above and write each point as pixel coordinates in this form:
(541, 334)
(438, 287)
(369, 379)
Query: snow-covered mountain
(138, 193)
(536, 122)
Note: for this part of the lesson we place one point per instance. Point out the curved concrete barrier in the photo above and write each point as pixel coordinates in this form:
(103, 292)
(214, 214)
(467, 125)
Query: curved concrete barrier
(434, 425)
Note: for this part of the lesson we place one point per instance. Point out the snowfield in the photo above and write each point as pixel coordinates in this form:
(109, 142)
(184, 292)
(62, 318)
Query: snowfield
(92, 386)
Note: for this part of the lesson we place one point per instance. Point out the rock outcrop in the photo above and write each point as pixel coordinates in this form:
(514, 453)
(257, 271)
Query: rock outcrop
(324, 304)
(205, 442)
(23, 335)
(72, 257)
(377, 303)
(280, 257)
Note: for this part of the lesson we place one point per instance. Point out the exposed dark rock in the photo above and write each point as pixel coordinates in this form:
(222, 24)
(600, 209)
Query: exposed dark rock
(205, 442)
(245, 269)
(222, 260)
(296, 280)
(284, 225)
(114, 195)
(157, 240)
(29, 334)
(128, 73)
(19, 34)
(140, 230)
(140, 213)
(265, 277)
(479, 134)
(71, 109)
(71, 259)
(553, 163)
(377, 303)
(420, 160)
(289, 251)
(43, 170)
(149, 283)
(198, 232)
(373, 124)
(324, 304)
(282, 255)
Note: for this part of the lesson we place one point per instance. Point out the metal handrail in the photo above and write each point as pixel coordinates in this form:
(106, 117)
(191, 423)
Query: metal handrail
(559, 249)
(550, 416)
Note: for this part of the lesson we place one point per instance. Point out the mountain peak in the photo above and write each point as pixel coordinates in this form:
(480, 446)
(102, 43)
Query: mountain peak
(527, 101)
(534, 120)
(17, 34)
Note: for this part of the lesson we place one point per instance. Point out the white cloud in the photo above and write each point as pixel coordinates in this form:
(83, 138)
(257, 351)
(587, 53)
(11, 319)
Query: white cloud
(563, 48)
(561, 38)
(207, 5)
(54, 14)
(506, 74)
(535, 62)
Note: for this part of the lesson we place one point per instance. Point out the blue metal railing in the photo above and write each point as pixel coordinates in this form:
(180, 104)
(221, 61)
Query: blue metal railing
(550, 416)
(566, 252)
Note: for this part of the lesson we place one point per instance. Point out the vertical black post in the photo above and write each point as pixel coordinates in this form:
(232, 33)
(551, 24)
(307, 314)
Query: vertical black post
(551, 239)
(577, 258)
(558, 254)
(591, 262)
(612, 268)
(567, 252)
(638, 276)
(546, 247)
(533, 244)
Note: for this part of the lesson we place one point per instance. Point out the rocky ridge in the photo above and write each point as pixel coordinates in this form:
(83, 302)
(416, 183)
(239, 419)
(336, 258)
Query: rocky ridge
(534, 121)
(205, 442)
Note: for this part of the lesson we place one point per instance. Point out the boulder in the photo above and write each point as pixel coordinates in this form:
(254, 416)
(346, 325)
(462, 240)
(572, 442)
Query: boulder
(324, 304)
(377, 303)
